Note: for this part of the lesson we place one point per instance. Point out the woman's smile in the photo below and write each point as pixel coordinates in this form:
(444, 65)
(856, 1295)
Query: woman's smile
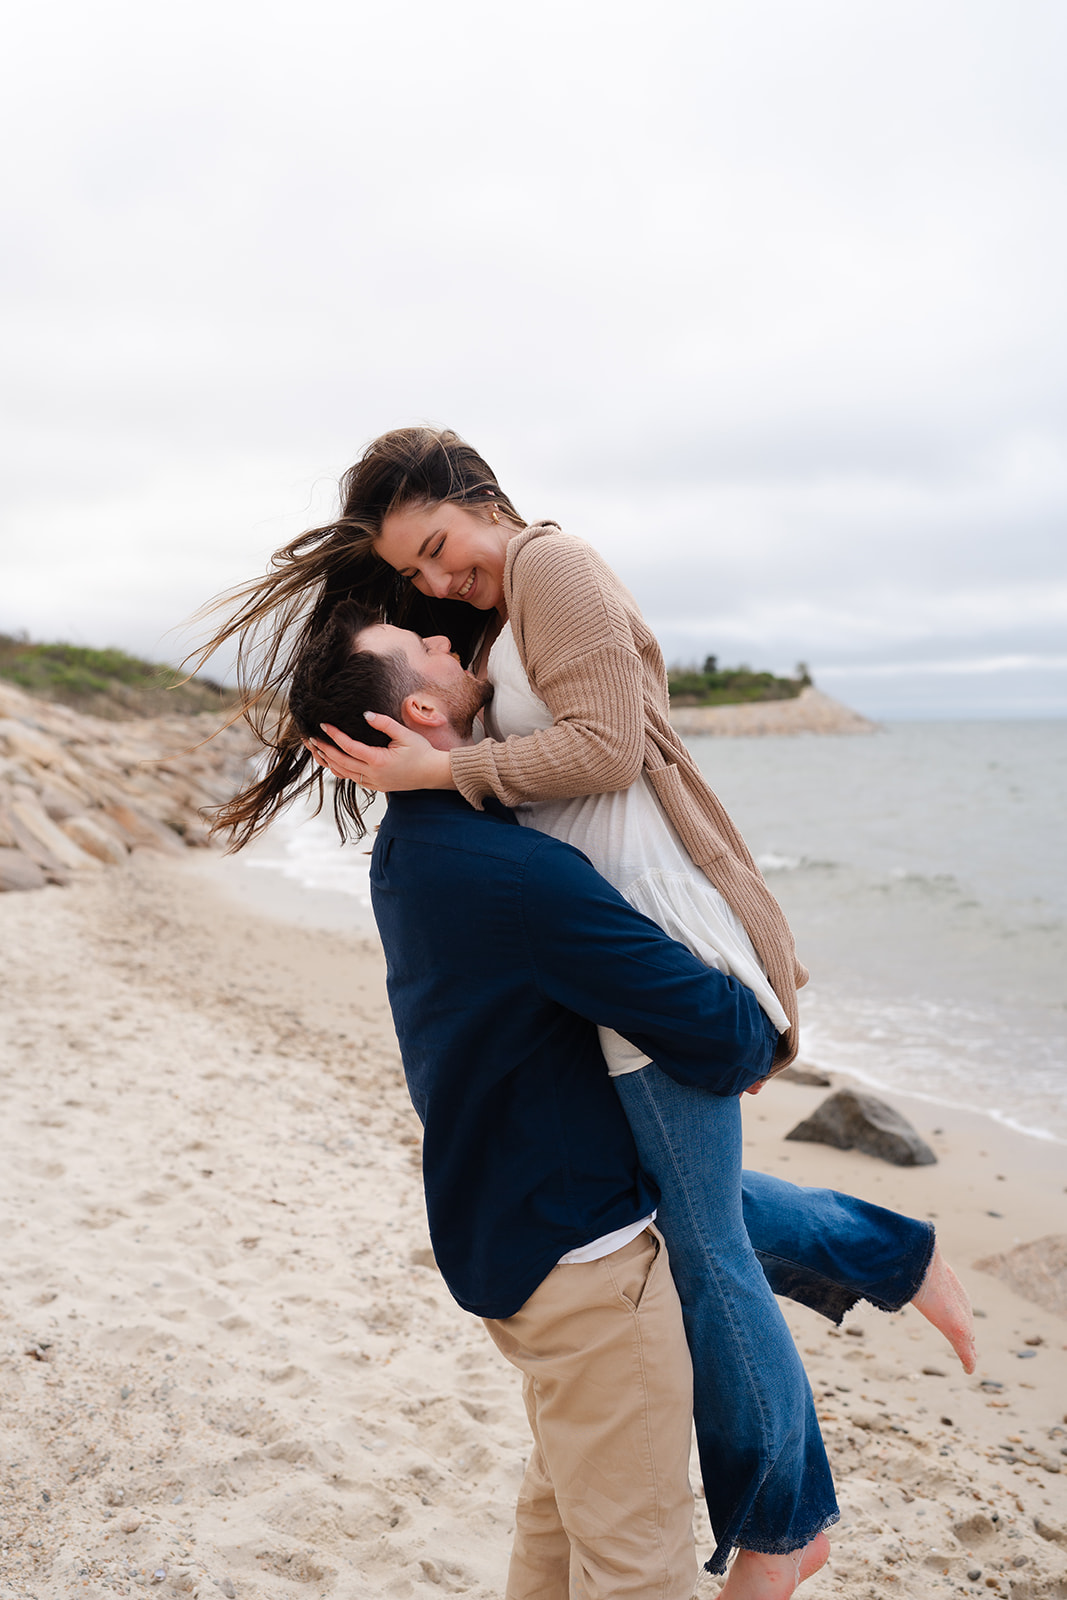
(448, 551)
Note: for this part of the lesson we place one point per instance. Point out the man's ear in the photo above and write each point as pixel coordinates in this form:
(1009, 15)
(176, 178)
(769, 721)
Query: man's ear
(420, 711)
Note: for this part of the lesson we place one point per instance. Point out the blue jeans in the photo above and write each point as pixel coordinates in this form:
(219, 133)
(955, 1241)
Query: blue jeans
(767, 1482)
(827, 1250)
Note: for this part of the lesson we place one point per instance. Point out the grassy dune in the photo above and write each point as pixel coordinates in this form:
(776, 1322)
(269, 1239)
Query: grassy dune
(105, 683)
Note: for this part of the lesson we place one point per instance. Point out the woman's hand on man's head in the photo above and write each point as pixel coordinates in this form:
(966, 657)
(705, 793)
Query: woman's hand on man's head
(408, 761)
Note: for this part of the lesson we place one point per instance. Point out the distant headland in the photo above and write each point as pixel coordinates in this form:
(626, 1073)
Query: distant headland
(736, 702)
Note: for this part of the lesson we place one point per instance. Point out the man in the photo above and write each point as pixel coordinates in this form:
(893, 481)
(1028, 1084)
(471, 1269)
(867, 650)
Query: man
(504, 947)
(540, 1217)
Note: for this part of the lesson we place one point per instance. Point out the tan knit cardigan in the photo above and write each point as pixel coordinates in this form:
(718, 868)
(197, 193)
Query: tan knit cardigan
(592, 659)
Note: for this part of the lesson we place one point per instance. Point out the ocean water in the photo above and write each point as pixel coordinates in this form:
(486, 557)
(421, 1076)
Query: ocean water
(305, 848)
(923, 871)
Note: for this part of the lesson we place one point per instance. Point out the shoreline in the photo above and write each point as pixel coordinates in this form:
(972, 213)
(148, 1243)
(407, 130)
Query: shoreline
(268, 891)
(810, 712)
(226, 1355)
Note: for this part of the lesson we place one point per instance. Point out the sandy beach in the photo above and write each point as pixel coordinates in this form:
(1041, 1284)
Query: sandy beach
(229, 1365)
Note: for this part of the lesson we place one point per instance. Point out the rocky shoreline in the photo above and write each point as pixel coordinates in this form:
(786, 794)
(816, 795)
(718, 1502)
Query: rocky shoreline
(811, 712)
(79, 793)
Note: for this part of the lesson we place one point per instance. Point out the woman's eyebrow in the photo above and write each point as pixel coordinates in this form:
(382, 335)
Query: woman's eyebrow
(429, 539)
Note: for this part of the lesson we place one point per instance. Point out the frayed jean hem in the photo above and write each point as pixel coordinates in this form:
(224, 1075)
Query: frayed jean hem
(718, 1563)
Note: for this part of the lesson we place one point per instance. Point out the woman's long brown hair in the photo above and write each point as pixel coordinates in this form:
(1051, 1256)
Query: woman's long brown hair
(275, 618)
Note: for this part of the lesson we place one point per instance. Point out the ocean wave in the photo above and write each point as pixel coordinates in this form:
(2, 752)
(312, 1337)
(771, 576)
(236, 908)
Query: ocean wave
(963, 1057)
(939, 881)
(304, 847)
(771, 861)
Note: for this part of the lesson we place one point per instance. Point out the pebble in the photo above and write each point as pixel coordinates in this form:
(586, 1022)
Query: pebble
(130, 1522)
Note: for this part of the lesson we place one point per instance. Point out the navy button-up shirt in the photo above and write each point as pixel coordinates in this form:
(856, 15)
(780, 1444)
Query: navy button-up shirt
(504, 948)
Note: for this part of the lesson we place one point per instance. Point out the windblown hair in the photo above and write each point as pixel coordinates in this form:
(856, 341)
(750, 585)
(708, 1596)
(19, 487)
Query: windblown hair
(275, 620)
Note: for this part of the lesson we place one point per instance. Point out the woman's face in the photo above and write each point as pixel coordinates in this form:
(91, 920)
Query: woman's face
(448, 552)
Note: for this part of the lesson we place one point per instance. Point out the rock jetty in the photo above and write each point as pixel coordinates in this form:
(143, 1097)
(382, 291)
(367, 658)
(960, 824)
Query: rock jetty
(811, 712)
(78, 793)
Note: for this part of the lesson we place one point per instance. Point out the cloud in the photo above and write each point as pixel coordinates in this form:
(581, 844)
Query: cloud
(764, 300)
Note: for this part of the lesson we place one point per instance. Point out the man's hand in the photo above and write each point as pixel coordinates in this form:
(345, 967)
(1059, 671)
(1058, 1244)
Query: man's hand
(408, 761)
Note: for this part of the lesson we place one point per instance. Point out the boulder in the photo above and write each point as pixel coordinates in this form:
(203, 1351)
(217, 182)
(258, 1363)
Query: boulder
(851, 1121)
(60, 801)
(1037, 1270)
(810, 1076)
(17, 871)
(62, 849)
(143, 831)
(19, 739)
(96, 840)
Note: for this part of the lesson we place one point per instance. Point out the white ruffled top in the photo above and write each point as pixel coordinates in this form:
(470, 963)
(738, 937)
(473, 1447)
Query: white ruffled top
(630, 841)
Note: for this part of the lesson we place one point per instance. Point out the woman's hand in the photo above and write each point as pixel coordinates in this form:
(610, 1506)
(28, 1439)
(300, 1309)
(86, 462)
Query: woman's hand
(408, 761)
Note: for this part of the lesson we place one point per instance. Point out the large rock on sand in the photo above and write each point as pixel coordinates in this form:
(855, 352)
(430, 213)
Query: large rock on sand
(851, 1121)
(1037, 1271)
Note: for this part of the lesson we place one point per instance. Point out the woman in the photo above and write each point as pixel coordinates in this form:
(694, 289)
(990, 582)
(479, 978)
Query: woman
(429, 537)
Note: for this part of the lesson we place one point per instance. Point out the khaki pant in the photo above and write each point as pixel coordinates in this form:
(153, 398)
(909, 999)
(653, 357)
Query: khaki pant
(605, 1509)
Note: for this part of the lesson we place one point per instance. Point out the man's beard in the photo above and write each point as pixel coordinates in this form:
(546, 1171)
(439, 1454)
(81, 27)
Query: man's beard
(465, 701)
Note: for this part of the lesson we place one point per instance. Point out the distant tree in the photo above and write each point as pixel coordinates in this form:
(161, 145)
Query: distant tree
(714, 685)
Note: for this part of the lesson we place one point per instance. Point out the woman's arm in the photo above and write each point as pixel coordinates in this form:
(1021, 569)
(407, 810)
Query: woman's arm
(573, 624)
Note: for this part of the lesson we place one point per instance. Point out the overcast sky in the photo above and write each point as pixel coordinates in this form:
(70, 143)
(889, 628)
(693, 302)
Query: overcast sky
(763, 297)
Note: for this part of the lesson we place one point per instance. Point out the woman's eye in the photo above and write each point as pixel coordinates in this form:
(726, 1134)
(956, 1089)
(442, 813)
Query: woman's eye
(436, 552)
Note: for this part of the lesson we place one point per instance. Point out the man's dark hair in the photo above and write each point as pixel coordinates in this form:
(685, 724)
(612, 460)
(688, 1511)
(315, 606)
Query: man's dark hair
(336, 684)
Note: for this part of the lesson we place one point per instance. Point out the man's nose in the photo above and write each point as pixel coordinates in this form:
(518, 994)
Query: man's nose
(438, 642)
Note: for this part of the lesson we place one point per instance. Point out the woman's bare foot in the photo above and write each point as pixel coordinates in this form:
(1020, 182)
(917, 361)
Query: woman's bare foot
(944, 1301)
(761, 1577)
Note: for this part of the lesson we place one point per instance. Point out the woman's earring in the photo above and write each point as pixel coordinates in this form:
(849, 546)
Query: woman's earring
(496, 515)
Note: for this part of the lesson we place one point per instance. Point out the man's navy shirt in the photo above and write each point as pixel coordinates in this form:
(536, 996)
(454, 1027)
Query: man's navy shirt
(504, 948)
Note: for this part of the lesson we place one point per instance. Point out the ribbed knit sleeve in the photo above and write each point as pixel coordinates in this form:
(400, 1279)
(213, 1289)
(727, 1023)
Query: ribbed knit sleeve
(572, 631)
(593, 660)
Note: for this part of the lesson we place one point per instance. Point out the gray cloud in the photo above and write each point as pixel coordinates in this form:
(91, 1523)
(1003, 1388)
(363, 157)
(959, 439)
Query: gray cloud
(764, 300)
